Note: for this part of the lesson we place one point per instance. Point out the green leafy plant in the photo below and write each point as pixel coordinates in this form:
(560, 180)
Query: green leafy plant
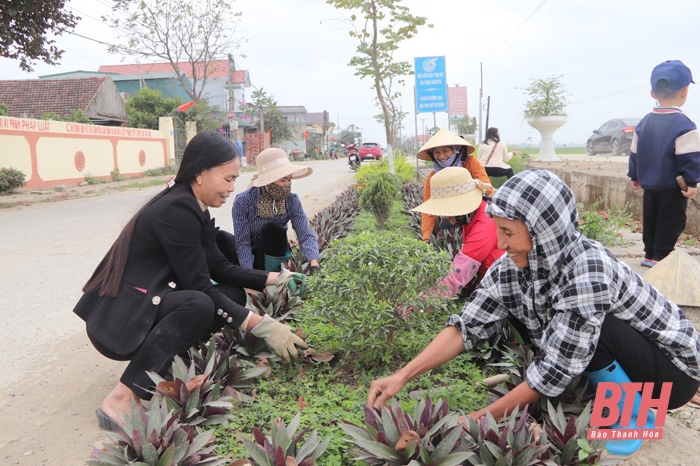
(334, 221)
(11, 179)
(217, 360)
(155, 438)
(603, 225)
(391, 437)
(378, 196)
(282, 449)
(92, 180)
(567, 437)
(548, 97)
(116, 176)
(509, 443)
(205, 405)
(366, 278)
(4, 110)
(145, 108)
(404, 170)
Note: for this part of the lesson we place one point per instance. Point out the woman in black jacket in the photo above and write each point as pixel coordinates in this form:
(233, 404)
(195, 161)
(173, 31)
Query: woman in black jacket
(152, 296)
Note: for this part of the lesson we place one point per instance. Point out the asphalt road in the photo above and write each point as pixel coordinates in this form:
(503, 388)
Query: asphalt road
(49, 250)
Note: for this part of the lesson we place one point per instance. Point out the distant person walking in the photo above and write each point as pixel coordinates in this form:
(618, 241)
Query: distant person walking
(665, 147)
(493, 155)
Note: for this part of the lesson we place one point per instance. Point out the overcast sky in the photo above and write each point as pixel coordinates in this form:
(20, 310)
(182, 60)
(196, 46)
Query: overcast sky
(298, 51)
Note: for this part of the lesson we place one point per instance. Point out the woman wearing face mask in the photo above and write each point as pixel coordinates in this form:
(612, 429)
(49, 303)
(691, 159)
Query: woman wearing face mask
(446, 149)
(152, 296)
(261, 214)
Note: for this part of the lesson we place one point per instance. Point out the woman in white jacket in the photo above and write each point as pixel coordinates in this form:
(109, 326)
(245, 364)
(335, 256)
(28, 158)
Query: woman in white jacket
(493, 155)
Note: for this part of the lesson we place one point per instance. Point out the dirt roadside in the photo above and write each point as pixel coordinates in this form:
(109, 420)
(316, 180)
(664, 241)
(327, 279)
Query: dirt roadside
(48, 416)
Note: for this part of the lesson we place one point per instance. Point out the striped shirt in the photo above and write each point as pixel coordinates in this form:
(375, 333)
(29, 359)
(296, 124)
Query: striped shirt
(247, 226)
(571, 284)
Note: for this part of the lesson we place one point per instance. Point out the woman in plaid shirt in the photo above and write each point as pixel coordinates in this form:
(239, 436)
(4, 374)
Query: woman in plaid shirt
(583, 309)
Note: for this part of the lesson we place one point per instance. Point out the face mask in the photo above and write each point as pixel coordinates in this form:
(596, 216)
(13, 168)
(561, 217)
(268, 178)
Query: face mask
(277, 192)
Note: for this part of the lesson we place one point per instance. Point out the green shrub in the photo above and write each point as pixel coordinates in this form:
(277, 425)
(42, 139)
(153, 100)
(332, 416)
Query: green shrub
(404, 170)
(603, 225)
(378, 196)
(4, 111)
(116, 176)
(91, 179)
(169, 170)
(366, 278)
(11, 179)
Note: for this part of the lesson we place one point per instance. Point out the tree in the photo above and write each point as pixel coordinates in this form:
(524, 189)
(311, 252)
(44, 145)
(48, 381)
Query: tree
(203, 114)
(272, 117)
(547, 97)
(175, 31)
(75, 116)
(396, 116)
(24, 30)
(146, 107)
(4, 111)
(384, 25)
(466, 125)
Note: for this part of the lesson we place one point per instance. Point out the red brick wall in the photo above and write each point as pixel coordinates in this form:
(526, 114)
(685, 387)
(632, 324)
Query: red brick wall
(254, 144)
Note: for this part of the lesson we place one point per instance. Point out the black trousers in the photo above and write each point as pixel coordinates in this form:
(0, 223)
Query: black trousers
(642, 360)
(273, 242)
(663, 220)
(498, 171)
(184, 317)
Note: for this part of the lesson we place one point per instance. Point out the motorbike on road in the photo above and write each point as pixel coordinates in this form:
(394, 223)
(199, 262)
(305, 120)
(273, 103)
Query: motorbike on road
(353, 157)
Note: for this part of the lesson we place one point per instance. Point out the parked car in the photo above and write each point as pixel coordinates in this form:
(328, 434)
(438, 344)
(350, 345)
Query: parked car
(615, 136)
(370, 150)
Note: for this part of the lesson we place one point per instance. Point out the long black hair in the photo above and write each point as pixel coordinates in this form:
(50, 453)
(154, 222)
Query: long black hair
(206, 150)
(492, 135)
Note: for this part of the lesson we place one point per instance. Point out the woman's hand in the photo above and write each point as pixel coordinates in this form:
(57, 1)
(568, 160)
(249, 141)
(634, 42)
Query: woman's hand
(382, 389)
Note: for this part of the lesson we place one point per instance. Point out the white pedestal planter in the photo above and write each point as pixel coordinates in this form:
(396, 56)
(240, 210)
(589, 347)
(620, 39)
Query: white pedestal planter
(547, 125)
(469, 137)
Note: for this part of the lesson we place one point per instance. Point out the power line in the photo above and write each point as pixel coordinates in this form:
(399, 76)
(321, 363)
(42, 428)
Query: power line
(507, 38)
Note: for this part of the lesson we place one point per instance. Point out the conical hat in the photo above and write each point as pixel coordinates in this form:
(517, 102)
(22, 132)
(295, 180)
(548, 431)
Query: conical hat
(677, 278)
(444, 137)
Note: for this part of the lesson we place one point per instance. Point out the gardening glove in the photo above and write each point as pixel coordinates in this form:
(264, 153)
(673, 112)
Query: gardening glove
(314, 270)
(296, 282)
(279, 338)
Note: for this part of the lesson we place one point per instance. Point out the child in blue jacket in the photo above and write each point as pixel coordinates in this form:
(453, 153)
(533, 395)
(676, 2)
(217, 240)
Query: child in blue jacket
(665, 145)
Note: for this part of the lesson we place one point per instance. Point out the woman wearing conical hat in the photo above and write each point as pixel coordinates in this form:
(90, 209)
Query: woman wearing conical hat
(261, 214)
(446, 149)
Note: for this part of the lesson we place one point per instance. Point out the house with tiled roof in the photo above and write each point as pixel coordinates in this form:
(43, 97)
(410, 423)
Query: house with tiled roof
(97, 97)
(216, 89)
(129, 84)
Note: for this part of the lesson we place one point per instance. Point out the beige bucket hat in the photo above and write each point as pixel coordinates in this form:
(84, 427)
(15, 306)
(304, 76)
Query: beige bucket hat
(444, 137)
(274, 164)
(453, 192)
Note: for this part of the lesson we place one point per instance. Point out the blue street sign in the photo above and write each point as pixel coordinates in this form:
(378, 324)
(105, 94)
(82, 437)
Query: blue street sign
(431, 84)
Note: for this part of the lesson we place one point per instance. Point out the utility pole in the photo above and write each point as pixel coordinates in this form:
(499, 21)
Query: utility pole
(488, 111)
(262, 121)
(423, 121)
(231, 97)
(481, 96)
